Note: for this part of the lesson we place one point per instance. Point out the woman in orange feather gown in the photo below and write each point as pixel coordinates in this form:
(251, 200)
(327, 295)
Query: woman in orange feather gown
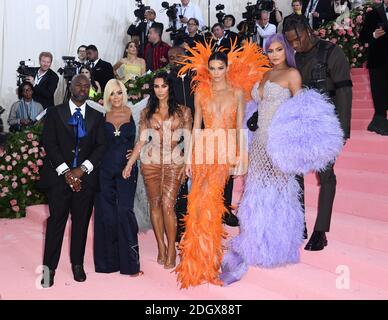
(221, 90)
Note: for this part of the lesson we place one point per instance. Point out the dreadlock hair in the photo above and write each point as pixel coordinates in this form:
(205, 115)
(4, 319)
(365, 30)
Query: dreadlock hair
(297, 23)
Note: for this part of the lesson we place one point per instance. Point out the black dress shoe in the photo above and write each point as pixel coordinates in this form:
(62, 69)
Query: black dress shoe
(317, 241)
(230, 219)
(379, 125)
(48, 278)
(78, 273)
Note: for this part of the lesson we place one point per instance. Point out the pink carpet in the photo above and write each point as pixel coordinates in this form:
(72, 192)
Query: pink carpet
(353, 266)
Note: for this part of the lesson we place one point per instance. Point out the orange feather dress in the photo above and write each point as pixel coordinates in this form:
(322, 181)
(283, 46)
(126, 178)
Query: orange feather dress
(201, 248)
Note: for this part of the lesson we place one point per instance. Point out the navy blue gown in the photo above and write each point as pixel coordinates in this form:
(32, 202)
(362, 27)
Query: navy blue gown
(115, 226)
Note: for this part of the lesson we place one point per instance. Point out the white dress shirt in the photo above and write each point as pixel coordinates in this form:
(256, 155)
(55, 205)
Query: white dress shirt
(190, 11)
(64, 167)
(265, 32)
(39, 77)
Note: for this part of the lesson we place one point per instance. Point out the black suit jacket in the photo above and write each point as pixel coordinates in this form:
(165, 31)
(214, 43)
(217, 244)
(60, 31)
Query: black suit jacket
(141, 32)
(58, 139)
(326, 12)
(103, 72)
(225, 43)
(45, 90)
(378, 48)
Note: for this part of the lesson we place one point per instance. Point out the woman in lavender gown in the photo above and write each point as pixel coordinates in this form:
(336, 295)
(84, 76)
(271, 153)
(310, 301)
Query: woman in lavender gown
(298, 132)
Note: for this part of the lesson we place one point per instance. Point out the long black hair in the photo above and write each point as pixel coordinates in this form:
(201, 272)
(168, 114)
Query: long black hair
(153, 102)
(219, 56)
(92, 81)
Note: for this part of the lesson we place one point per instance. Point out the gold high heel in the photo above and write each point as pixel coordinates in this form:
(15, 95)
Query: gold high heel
(170, 262)
(162, 259)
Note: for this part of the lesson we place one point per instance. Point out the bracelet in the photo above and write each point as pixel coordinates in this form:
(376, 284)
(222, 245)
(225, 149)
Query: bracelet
(66, 171)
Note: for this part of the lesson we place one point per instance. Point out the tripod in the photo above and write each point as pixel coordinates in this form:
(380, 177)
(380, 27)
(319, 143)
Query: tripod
(67, 95)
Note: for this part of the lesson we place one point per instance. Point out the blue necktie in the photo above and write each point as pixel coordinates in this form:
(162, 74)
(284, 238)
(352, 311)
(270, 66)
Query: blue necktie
(78, 122)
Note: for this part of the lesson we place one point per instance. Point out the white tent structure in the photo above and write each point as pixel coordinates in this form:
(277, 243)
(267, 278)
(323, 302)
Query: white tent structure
(28, 27)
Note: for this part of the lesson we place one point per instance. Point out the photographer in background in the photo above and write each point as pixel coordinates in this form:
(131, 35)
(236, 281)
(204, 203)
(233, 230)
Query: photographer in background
(140, 29)
(275, 15)
(219, 40)
(102, 70)
(45, 81)
(82, 57)
(193, 36)
(23, 113)
(189, 10)
(264, 28)
(229, 22)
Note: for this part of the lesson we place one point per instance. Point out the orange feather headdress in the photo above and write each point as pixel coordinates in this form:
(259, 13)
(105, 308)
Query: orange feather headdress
(247, 65)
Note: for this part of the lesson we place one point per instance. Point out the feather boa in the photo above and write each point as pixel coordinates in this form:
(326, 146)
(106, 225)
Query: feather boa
(305, 134)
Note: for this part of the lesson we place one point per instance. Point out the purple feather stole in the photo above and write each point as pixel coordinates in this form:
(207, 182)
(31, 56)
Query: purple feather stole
(304, 135)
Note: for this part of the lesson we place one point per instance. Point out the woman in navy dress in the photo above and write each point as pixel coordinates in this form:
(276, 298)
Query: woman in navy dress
(115, 226)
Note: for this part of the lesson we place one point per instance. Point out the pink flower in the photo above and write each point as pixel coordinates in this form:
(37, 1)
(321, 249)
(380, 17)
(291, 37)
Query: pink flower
(30, 136)
(14, 178)
(25, 156)
(36, 170)
(2, 167)
(35, 143)
(355, 46)
(31, 151)
(2, 195)
(33, 178)
(25, 170)
(354, 60)
(369, 9)
(16, 209)
(359, 19)
(14, 163)
(5, 190)
(14, 154)
(23, 180)
(13, 202)
(1, 177)
(2, 153)
(30, 163)
(366, 45)
(18, 158)
(29, 193)
(23, 149)
(6, 178)
(14, 185)
(347, 20)
(8, 158)
(39, 162)
(9, 168)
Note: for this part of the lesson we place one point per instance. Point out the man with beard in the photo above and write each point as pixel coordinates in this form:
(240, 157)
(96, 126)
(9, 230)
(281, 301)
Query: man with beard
(74, 140)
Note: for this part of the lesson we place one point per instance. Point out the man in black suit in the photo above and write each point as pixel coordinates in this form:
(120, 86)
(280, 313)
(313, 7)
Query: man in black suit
(220, 39)
(375, 33)
(74, 140)
(45, 81)
(297, 8)
(102, 70)
(140, 29)
(318, 12)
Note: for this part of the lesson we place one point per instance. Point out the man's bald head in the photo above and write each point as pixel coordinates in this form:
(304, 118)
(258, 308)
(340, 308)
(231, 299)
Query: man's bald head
(79, 87)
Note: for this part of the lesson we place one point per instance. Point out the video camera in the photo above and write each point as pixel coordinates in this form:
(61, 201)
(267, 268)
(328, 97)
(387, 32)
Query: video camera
(70, 68)
(140, 12)
(220, 15)
(25, 69)
(177, 35)
(253, 12)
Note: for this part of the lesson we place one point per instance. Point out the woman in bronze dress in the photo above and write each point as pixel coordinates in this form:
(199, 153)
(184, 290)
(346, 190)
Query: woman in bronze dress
(164, 127)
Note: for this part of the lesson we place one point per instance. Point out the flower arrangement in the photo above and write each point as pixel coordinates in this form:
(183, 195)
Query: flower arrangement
(346, 35)
(139, 87)
(20, 162)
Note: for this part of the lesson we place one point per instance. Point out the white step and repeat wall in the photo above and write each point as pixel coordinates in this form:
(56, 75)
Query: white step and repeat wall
(28, 27)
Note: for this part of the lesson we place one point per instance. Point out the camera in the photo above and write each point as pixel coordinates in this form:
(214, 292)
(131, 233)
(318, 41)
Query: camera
(70, 68)
(220, 15)
(177, 35)
(253, 12)
(171, 11)
(140, 12)
(26, 69)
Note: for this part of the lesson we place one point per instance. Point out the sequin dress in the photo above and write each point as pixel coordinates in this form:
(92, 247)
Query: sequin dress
(270, 214)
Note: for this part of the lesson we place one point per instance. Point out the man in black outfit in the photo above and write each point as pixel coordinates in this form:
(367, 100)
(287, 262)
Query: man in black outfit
(324, 67)
(140, 29)
(74, 140)
(375, 33)
(45, 81)
(102, 70)
(318, 12)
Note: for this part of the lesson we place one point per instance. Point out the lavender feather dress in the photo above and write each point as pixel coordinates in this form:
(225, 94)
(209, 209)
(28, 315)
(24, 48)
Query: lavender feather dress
(270, 214)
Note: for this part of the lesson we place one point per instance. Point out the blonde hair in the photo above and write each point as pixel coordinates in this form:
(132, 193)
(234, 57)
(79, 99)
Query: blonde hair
(108, 91)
